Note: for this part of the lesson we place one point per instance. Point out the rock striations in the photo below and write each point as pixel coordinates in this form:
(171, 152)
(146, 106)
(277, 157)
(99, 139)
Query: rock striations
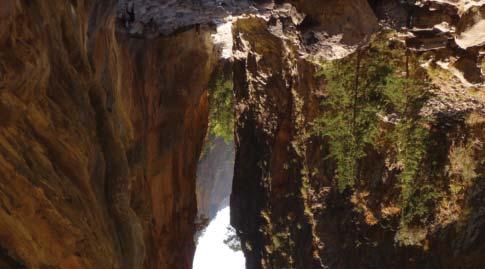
(99, 138)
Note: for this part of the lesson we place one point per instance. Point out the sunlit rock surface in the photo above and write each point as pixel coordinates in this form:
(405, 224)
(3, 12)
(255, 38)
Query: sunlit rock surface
(471, 30)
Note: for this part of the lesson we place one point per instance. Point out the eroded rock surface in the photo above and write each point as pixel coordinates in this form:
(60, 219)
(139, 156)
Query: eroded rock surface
(300, 219)
(99, 139)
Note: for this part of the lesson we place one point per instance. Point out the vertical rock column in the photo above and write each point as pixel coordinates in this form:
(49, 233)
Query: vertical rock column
(266, 202)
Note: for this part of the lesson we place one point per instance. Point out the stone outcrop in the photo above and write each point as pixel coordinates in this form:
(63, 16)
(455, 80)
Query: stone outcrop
(155, 17)
(270, 98)
(452, 30)
(472, 27)
(299, 218)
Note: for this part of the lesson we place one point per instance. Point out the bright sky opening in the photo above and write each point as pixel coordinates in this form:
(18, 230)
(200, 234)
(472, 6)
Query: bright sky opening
(211, 252)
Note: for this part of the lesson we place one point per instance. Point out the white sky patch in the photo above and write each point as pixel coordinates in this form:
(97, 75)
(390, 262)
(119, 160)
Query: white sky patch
(211, 252)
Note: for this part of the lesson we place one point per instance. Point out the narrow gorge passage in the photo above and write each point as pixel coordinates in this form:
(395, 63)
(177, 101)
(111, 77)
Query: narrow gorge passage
(212, 251)
(217, 244)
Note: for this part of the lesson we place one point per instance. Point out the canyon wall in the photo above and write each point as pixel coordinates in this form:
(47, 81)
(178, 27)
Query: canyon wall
(104, 112)
(100, 136)
(290, 203)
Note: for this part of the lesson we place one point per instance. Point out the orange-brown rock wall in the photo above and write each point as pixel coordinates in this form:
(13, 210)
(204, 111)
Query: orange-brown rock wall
(99, 139)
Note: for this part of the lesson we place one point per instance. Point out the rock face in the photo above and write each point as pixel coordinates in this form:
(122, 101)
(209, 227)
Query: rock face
(165, 17)
(297, 217)
(472, 27)
(104, 111)
(272, 225)
(99, 139)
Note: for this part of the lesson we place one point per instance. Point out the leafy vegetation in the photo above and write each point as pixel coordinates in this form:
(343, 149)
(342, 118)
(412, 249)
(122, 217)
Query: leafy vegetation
(379, 83)
(232, 240)
(221, 107)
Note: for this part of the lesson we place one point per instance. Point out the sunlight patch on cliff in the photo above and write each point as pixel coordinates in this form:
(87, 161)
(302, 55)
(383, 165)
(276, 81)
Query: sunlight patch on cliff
(223, 38)
(211, 252)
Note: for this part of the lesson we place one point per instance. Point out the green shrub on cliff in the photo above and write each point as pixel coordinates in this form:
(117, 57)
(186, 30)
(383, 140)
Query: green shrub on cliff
(221, 107)
(379, 83)
(350, 121)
